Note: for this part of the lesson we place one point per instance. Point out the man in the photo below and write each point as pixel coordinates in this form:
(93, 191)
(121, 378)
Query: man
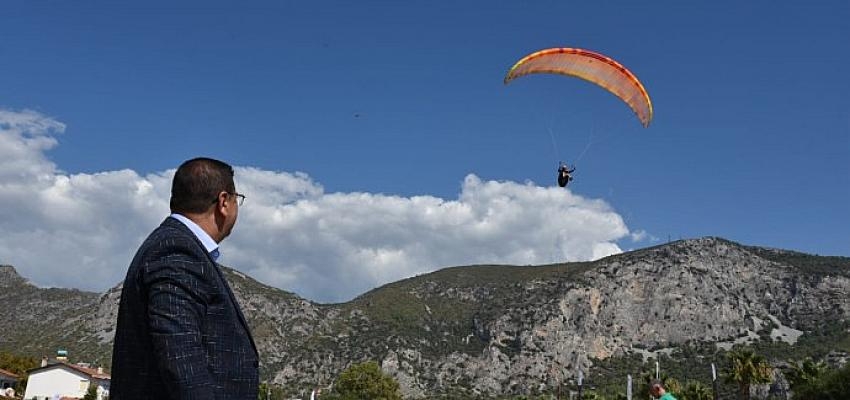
(657, 390)
(180, 332)
(564, 176)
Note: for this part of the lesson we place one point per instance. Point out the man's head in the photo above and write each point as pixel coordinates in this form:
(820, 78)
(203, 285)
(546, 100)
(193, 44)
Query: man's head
(203, 190)
(656, 388)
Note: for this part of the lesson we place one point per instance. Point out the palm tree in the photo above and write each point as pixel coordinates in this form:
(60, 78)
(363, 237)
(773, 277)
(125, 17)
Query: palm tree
(671, 384)
(695, 390)
(746, 369)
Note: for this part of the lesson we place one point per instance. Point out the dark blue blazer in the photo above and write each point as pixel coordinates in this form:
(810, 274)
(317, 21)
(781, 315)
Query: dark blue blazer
(180, 332)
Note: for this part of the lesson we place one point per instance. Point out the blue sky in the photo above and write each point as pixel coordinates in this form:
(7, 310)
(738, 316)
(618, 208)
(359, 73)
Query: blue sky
(404, 100)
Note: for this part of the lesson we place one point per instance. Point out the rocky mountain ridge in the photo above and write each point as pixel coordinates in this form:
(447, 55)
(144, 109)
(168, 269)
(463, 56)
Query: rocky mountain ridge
(489, 330)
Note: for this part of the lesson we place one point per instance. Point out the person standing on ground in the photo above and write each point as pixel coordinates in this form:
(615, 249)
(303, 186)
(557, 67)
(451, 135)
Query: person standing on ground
(657, 390)
(180, 332)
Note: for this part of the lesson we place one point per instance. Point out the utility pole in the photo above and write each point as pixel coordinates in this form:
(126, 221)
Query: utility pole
(714, 381)
(580, 379)
(629, 388)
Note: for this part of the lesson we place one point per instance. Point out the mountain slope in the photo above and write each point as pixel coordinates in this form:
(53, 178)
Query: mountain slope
(494, 329)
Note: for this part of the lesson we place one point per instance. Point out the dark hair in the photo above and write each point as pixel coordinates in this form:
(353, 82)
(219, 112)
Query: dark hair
(657, 382)
(197, 184)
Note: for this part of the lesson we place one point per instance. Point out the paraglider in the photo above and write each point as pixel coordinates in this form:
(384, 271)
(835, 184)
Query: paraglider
(592, 67)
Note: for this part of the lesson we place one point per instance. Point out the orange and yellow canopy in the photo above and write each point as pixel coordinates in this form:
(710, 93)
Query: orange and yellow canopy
(592, 67)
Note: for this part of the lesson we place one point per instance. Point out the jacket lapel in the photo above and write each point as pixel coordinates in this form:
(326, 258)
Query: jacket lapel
(236, 306)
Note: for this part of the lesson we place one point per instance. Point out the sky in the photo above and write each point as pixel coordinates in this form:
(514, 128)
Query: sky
(375, 140)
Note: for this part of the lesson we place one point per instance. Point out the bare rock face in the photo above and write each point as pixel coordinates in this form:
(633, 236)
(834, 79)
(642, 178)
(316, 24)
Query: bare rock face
(9, 277)
(105, 316)
(498, 330)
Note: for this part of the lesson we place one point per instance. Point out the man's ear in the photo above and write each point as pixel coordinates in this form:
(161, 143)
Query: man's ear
(221, 201)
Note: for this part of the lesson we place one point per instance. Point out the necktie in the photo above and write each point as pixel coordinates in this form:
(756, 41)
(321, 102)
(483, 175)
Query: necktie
(215, 254)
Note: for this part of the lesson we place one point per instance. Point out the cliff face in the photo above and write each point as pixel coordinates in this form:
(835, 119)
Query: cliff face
(503, 329)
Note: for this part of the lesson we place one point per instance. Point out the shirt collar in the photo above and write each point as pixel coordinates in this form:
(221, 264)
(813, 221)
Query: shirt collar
(209, 244)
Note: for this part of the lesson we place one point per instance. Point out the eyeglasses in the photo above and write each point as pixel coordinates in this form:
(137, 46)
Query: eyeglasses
(240, 198)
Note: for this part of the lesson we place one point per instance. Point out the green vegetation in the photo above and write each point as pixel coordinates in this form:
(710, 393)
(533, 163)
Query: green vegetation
(805, 373)
(696, 391)
(827, 337)
(271, 392)
(691, 363)
(442, 312)
(364, 381)
(746, 369)
(830, 385)
(18, 365)
(51, 319)
(91, 393)
(808, 263)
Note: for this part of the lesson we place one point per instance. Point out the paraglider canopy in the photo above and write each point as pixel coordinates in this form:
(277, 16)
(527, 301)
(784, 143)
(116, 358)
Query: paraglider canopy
(592, 67)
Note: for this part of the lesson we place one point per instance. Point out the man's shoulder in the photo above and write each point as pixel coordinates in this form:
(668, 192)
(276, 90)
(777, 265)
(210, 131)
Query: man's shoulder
(171, 245)
(171, 233)
(170, 227)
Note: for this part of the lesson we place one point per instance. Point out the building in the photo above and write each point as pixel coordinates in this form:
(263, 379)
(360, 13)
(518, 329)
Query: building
(57, 380)
(7, 380)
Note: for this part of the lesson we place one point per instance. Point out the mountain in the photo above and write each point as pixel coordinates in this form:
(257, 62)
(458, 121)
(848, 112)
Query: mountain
(490, 329)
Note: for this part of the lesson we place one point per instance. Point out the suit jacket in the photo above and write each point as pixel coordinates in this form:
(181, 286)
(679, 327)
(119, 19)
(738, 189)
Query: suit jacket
(180, 332)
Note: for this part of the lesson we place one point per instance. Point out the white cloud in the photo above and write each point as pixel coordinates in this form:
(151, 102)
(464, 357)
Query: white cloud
(638, 235)
(25, 136)
(81, 230)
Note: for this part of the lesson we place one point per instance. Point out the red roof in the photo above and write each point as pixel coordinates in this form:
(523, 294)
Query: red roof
(91, 372)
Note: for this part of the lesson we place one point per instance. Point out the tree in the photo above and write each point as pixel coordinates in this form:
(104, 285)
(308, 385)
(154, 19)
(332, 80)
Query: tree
(270, 392)
(805, 373)
(831, 385)
(746, 369)
(591, 395)
(365, 381)
(91, 393)
(18, 365)
(671, 384)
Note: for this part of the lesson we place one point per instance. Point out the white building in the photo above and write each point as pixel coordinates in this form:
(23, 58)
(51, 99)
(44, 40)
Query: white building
(53, 381)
